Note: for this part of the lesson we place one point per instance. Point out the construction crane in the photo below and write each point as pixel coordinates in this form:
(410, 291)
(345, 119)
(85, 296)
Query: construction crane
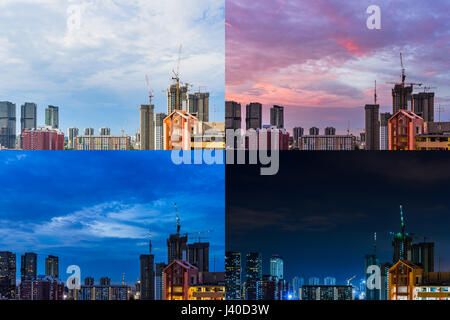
(349, 280)
(425, 89)
(375, 93)
(196, 233)
(403, 103)
(176, 78)
(150, 91)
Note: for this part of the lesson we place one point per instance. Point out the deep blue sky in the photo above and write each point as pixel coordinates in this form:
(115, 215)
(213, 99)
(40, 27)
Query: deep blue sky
(321, 210)
(95, 209)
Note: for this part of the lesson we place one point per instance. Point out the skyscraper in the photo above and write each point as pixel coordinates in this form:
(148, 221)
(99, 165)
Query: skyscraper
(7, 125)
(28, 268)
(198, 255)
(276, 267)
(253, 116)
(147, 127)
(159, 284)
(88, 131)
(52, 267)
(233, 275)
(105, 131)
(330, 131)
(159, 131)
(313, 281)
(384, 130)
(372, 127)
(7, 275)
(52, 117)
(232, 115)
(277, 117)
(329, 281)
(423, 105)
(177, 244)
(297, 284)
(423, 255)
(401, 242)
(314, 131)
(176, 98)
(253, 271)
(148, 274)
(105, 281)
(401, 98)
(28, 116)
(198, 105)
(298, 133)
(72, 133)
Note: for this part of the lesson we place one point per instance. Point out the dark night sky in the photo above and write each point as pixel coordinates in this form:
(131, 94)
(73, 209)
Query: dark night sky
(321, 210)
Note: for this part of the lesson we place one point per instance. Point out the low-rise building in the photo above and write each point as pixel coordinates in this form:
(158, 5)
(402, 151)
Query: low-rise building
(90, 142)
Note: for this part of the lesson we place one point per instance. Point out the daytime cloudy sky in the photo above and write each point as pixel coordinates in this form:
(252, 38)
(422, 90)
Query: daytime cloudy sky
(95, 209)
(96, 72)
(318, 59)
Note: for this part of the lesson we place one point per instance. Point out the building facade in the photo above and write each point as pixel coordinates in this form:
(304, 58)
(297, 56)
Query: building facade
(372, 127)
(52, 117)
(147, 128)
(7, 275)
(253, 116)
(92, 142)
(233, 275)
(403, 128)
(7, 125)
(233, 116)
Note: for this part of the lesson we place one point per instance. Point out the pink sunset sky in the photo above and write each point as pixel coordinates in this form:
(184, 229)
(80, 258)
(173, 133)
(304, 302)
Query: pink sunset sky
(318, 59)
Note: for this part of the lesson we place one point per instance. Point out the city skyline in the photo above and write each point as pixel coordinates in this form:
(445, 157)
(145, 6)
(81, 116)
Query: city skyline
(323, 224)
(319, 60)
(96, 72)
(98, 215)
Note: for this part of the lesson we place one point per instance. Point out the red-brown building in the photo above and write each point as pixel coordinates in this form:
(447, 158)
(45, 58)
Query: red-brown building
(403, 127)
(179, 276)
(44, 138)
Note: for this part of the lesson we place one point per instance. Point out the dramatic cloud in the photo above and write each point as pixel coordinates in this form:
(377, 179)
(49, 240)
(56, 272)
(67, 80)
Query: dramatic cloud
(95, 209)
(95, 69)
(319, 53)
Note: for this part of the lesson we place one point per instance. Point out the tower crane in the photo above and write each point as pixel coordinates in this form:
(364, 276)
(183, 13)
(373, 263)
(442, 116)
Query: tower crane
(403, 103)
(349, 280)
(150, 91)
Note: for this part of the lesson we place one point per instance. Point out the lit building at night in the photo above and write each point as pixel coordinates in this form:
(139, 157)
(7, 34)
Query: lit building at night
(276, 267)
(233, 275)
(178, 277)
(41, 288)
(253, 272)
(7, 275)
(322, 292)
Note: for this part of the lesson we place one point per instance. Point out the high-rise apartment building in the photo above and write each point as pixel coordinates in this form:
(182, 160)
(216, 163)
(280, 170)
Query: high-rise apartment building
(372, 127)
(198, 106)
(72, 133)
(28, 268)
(298, 133)
(52, 117)
(401, 98)
(329, 281)
(314, 131)
(253, 272)
(423, 255)
(384, 130)
(176, 98)
(147, 127)
(52, 267)
(159, 131)
(277, 116)
(159, 276)
(7, 125)
(253, 116)
(232, 115)
(43, 138)
(233, 275)
(28, 116)
(276, 267)
(198, 255)
(92, 142)
(7, 275)
(147, 277)
(423, 105)
(105, 131)
(88, 131)
(330, 131)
